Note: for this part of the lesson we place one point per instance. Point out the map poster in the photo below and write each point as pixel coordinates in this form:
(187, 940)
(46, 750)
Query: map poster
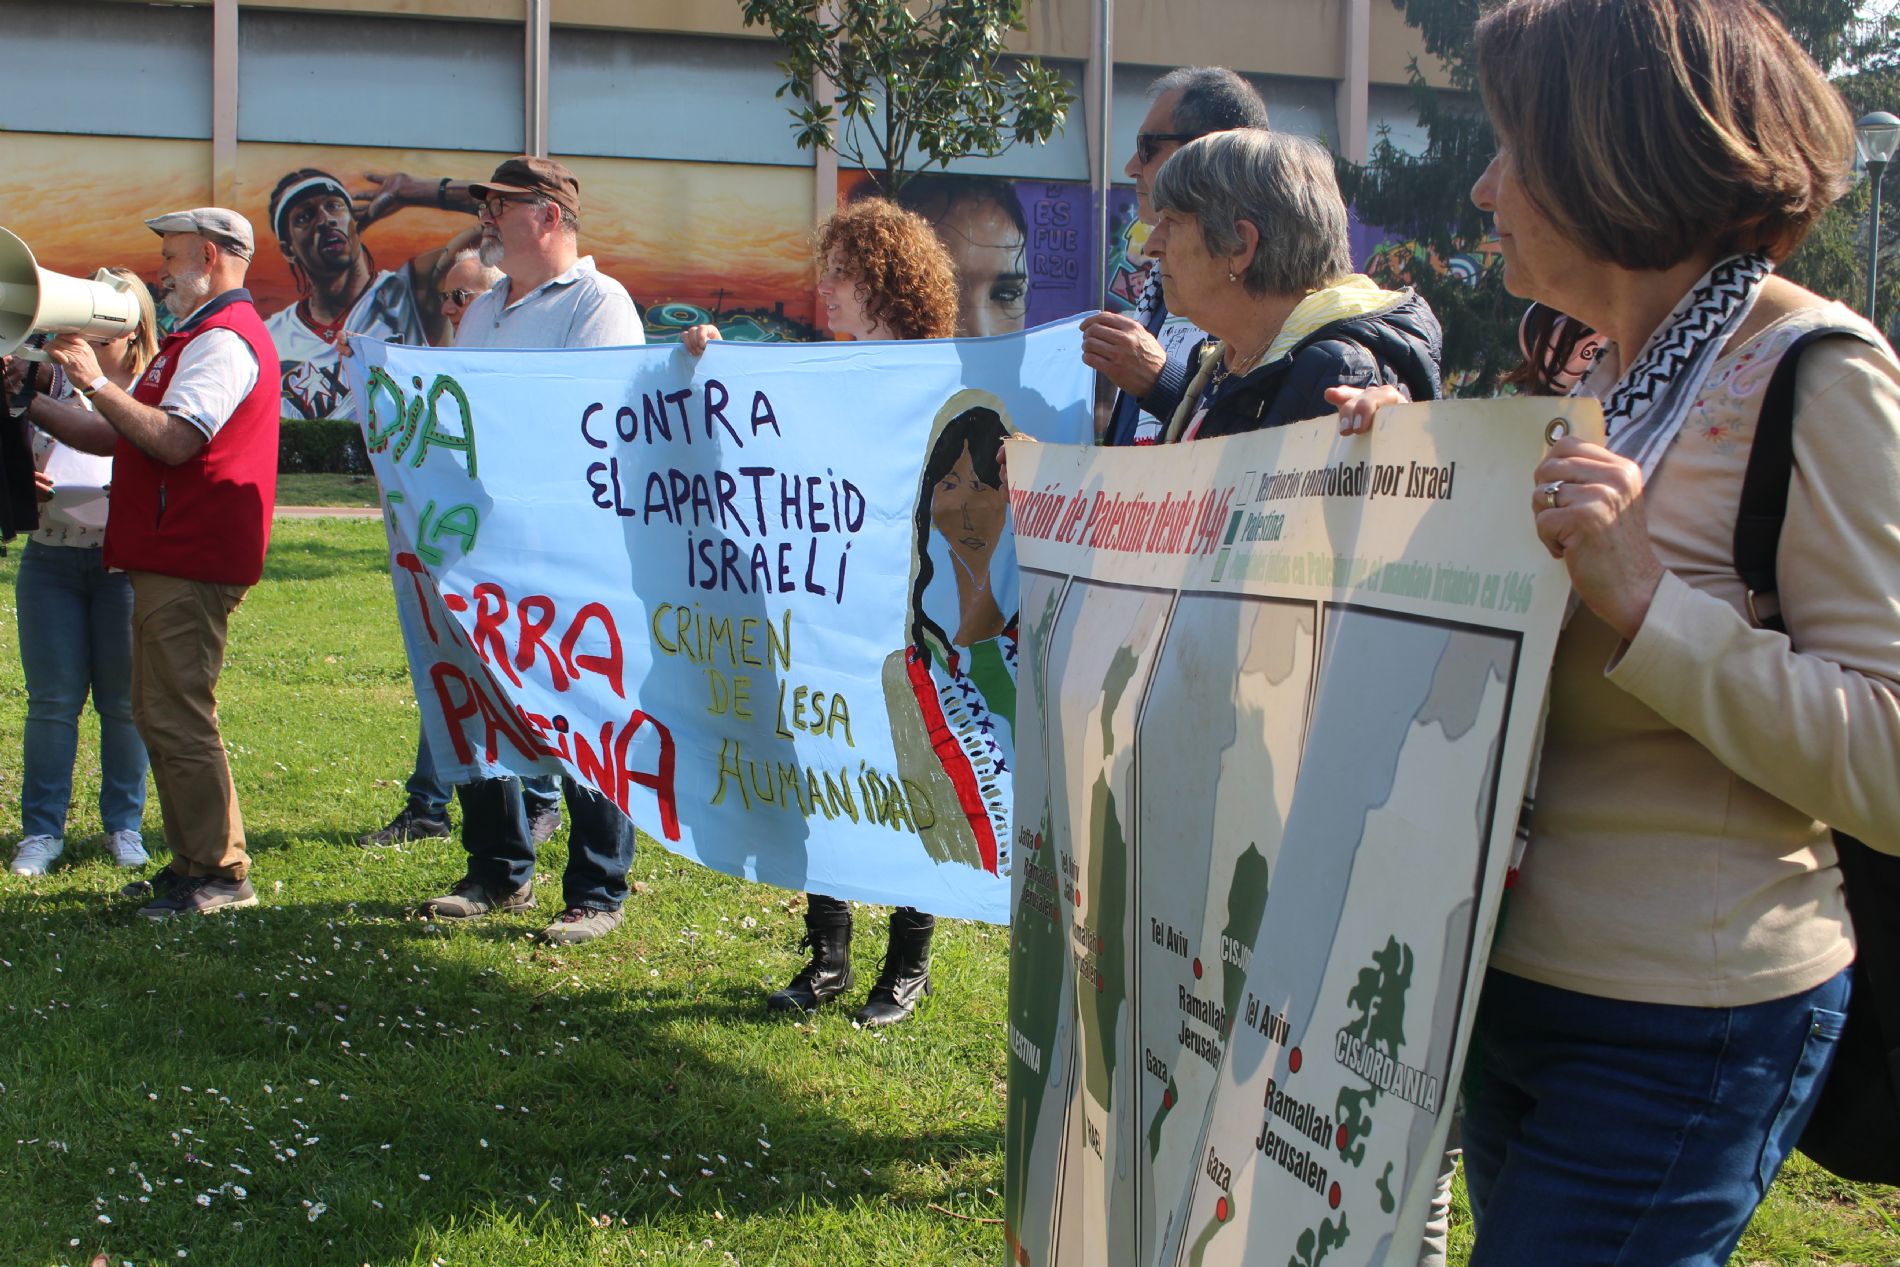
(763, 599)
(1278, 699)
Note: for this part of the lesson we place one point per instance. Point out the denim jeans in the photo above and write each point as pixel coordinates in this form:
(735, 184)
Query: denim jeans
(429, 795)
(1603, 1132)
(76, 636)
(501, 853)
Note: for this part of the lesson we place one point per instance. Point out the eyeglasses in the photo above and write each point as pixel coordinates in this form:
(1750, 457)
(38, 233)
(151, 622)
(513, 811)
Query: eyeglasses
(494, 205)
(1148, 144)
(458, 296)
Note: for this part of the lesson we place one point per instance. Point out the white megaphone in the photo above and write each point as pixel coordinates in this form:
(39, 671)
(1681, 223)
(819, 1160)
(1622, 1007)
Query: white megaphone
(36, 301)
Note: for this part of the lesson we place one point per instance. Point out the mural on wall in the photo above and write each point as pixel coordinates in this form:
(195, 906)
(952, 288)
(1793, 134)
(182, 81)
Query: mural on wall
(361, 238)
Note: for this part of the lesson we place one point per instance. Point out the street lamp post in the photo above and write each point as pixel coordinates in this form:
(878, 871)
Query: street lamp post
(1876, 136)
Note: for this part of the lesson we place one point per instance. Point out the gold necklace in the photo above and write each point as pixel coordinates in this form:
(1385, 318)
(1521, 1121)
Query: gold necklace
(1222, 370)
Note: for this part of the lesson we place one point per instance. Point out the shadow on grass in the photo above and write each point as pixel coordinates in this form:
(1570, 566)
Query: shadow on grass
(332, 1053)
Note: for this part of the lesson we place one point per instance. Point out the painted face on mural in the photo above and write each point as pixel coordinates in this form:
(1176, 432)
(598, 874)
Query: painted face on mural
(970, 514)
(1150, 154)
(841, 298)
(320, 234)
(987, 250)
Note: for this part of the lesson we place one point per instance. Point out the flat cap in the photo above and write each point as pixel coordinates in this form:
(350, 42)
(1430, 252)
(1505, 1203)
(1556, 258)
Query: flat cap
(227, 228)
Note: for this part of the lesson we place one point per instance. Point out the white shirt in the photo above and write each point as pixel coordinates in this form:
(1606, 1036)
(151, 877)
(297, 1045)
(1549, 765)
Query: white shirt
(313, 383)
(74, 517)
(582, 308)
(216, 371)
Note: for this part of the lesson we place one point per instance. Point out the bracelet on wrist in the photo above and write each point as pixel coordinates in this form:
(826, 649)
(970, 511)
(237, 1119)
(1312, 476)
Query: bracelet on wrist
(90, 389)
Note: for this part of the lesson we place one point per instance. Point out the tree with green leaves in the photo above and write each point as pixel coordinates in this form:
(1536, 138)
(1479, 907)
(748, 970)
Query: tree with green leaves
(1832, 261)
(922, 82)
(1424, 199)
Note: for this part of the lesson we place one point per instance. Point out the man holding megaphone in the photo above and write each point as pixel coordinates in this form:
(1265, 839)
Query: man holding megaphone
(194, 483)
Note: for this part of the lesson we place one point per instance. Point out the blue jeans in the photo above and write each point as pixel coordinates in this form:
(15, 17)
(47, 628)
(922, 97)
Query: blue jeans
(76, 637)
(1599, 1132)
(429, 795)
(501, 853)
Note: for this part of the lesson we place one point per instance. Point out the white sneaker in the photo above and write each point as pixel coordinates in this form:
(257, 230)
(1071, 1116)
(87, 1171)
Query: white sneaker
(127, 849)
(36, 854)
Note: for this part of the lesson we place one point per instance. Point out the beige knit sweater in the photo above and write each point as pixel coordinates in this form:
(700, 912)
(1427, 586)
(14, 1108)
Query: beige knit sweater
(1678, 853)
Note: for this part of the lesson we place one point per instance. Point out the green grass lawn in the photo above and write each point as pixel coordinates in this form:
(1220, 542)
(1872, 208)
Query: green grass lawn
(325, 1081)
(326, 490)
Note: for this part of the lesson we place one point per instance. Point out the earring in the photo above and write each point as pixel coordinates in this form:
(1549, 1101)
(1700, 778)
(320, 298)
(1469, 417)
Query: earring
(1231, 277)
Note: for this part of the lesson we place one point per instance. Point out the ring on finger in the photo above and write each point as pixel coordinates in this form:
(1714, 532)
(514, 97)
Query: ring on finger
(1550, 493)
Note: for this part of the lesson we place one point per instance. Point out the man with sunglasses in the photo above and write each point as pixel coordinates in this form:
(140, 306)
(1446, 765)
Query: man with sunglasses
(318, 223)
(1145, 355)
(550, 296)
(464, 278)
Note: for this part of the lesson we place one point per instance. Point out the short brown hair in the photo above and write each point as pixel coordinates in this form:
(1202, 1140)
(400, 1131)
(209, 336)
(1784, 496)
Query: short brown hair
(904, 276)
(1649, 128)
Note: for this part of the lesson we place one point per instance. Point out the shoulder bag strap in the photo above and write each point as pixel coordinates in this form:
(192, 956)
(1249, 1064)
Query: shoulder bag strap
(1765, 486)
(1871, 880)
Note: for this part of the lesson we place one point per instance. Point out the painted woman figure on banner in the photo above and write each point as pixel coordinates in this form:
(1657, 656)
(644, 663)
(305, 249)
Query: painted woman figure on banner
(951, 691)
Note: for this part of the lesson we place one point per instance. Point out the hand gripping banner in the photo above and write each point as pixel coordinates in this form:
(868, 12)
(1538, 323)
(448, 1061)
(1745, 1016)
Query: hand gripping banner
(1279, 696)
(764, 600)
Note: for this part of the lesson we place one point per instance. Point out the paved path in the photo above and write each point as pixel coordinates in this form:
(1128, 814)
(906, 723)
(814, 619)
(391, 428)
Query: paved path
(328, 512)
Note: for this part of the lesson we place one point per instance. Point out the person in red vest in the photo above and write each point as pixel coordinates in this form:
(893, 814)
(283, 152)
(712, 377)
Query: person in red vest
(194, 482)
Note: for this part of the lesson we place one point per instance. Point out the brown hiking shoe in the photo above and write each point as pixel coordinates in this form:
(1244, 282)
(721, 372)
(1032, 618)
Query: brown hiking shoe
(579, 924)
(201, 895)
(469, 900)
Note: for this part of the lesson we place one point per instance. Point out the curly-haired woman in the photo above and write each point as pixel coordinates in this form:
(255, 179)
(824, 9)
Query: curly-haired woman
(882, 274)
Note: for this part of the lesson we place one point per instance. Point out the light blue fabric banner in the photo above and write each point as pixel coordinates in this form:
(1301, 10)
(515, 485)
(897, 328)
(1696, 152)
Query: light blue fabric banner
(764, 600)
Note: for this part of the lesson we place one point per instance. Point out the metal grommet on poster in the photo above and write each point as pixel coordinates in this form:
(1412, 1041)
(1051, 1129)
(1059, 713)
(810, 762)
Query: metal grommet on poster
(1556, 429)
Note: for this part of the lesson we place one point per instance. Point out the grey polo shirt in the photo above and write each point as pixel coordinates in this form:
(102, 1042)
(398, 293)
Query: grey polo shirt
(582, 308)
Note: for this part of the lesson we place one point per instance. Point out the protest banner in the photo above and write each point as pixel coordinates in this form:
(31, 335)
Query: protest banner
(1279, 698)
(764, 600)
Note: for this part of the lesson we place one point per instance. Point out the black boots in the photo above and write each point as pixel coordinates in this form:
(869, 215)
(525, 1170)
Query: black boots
(906, 975)
(828, 933)
(904, 980)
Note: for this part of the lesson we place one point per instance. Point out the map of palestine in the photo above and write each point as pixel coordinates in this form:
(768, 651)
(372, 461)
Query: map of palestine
(1265, 794)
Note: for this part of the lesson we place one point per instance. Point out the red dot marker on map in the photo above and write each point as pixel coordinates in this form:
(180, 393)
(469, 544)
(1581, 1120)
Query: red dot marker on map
(1332, 1197)
(1294, 1060)
(1197, 969)
(1223, 1210)
(1344, 1139)
(1167, 1098)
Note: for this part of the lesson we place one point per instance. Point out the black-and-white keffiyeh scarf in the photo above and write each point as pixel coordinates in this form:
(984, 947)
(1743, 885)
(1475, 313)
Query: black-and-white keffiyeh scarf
(1645, 405)
(1150, 295)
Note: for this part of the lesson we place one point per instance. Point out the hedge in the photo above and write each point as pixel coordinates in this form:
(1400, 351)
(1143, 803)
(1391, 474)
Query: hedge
(327, 445)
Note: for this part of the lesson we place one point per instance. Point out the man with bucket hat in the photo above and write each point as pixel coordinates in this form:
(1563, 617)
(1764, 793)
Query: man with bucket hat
(194, 483)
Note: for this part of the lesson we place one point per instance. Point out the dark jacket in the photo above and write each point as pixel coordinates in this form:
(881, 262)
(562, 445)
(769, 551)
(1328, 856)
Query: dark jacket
(1400, 345)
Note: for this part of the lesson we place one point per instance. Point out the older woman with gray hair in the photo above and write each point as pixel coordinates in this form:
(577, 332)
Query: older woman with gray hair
(1251, 243)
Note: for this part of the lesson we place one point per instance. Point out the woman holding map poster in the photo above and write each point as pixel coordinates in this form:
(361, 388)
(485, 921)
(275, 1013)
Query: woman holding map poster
(1252, 246)
(882, 274)
(1670, 978)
